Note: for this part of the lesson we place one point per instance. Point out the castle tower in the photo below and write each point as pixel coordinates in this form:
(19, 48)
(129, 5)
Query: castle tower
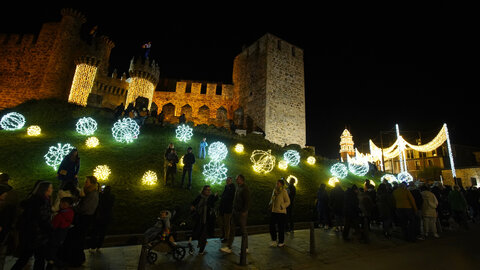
(144, 78)
(268, 78)
(85, 73)
(346, 145)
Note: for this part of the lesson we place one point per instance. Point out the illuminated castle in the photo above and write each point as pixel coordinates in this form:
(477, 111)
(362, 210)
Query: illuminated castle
(346, 145)
(267, 94)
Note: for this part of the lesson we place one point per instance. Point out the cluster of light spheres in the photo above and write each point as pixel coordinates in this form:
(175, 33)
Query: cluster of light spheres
(34, 131)
(239, 148)
(339, 170)
(292, 157)
(282, 165)
(12, 121)
(86, 126)
(390, 178)
(55, 154)
(184, 133)
(332, 181)
(311, 160)
(404, 177)
(149, 178)
(102, 172)
(92, 142)
(263, 161)
(215, 172)
(125, 130)
(217, 151)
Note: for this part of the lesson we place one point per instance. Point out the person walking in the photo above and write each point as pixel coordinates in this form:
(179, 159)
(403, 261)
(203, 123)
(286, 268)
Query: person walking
(203, 146)
(203, 208)
(405, 209)
(278, 206)
(337, 197)
(68, 169)
(35, 226)
(323, 212)
(351, 212)
(172, 160)
(241, 204)
(429, 211)
(292, 192)
(226, 207)
(386, 209)
(103, 218)
(188, 161)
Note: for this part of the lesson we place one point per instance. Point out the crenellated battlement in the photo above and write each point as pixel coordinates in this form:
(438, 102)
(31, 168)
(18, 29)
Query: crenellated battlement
(144, 68)
(69, 12)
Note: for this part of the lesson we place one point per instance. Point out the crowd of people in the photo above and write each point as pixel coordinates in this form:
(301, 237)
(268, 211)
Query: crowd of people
(420, 210)
(55, 227)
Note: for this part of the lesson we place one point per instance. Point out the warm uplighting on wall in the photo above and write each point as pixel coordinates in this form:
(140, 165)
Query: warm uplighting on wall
(34, 131)
(140, 87)
(82, 84)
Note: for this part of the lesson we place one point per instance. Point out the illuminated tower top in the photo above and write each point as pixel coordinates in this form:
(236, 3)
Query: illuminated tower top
(346, 145)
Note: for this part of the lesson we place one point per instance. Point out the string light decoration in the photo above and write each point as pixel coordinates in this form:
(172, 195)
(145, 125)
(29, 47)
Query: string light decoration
(404, 177)
(239, 148)
(215, 172)
(184, 133)
(263, 161)
(339, 170)
(86, 126)
(12, 121)
(311, 160)
(346, 144)
(82, 83)
(92, 142)
(282, 165)
(149, 178)
(332, 181)
(125, 130)
(292, 177)
(217, 151)
(390, 178)
(140, 87)
(34, 130)
(55, 154)
(358, 165)
(292, 157)
(102, 172)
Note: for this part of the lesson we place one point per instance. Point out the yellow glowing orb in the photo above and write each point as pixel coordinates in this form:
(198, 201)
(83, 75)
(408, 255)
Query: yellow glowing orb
(149, 178)
(292, 177)
(102, 172)
(239, 148)
(34, 130)
(311, 160)
(282, 165)
(263, 161)
(92, 142)
(181, 162)
(332, 181)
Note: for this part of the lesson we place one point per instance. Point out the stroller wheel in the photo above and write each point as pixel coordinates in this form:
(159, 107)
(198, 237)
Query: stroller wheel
(190, 249)
(152, 257)
(178, 253)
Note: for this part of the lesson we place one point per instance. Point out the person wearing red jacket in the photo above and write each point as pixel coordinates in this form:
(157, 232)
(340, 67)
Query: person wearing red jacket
(61, 222)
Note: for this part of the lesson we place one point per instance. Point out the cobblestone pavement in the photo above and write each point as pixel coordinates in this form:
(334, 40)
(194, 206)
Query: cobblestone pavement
(454, 250)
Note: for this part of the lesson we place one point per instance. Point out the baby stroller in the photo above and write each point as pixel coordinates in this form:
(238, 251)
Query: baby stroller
(161, 238)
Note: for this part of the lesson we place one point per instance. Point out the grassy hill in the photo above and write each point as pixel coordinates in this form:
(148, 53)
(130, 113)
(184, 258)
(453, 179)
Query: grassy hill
(137, 205)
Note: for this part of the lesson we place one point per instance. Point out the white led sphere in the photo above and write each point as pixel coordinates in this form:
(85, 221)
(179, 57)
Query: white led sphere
(184, 133)
(125, 130)
(390, 178)
(404, 177)
(215, 172)
(12, 121)
(217, 151)
(339, 170)
(292, 157)
(55, 154)
(86, 126)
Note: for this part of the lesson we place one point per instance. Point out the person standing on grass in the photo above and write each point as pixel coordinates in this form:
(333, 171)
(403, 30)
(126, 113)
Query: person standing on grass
(172, 160)
(278, 205)
(203, 148)
(188, 161)
(68, 169)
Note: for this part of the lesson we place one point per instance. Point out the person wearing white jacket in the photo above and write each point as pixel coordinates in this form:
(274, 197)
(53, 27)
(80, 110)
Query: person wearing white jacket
(429, 211)
(278, 205)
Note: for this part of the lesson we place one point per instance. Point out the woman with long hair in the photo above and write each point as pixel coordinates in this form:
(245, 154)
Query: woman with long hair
(278, 206)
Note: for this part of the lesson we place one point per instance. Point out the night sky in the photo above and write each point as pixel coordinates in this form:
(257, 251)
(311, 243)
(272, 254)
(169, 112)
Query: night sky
(367, 66)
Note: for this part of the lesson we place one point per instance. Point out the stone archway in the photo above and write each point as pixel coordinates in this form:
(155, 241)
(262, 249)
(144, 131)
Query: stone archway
(222, 114)
(168, 111)
(203, 114)
(238, 116)
(187, 110)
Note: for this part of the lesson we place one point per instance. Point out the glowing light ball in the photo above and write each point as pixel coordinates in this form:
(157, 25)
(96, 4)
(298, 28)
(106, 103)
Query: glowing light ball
(311, 160)
(12, 121)
(217, 151)
(86, 126)
(290, 177)
(332, 181)
(390, 178)
(263, 161)
(339, 170)
(184, 133)
(358, 166)
(215, 172)
(404, 177)
(149, 178)
(55, 154)
(125, 130)
(102, 172)
(282, 165)
(92, 142)
(34, 131)
(292, 157)
(239, 148)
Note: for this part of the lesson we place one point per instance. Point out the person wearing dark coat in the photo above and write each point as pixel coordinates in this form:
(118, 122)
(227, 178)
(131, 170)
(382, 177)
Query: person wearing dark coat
(351, 211)
(103, 218)
(292, 191)
(203, 209)
(386, 209)
(68, 169)
(172, 160)
(35, 226)
(337, 197)
(226, 207)
(323, 207)
(188, 161)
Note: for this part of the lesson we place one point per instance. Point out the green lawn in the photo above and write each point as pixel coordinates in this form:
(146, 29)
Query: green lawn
(137, 205)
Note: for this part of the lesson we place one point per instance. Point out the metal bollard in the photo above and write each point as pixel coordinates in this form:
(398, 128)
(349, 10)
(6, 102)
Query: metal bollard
(312, 238)
(243, 250)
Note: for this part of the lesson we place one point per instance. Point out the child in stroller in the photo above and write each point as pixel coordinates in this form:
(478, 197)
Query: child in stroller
(161, 238)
